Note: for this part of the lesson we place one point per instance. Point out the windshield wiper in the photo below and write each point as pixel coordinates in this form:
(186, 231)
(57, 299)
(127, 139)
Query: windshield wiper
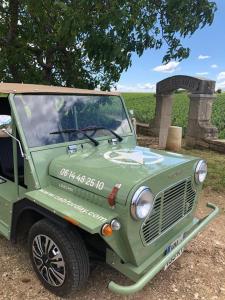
(102, 128)
(96, 143)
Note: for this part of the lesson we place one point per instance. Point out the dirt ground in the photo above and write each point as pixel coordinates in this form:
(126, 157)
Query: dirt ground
(198, 274)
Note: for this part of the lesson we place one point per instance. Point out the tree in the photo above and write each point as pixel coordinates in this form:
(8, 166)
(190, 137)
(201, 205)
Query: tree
(87, 43)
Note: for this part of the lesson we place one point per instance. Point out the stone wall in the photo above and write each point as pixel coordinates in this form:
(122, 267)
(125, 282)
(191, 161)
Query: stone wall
(210, 144)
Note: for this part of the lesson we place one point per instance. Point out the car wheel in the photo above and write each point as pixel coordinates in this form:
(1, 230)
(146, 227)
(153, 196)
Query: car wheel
(59, 257)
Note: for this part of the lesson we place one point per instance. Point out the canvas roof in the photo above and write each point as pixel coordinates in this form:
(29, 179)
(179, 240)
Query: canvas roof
(20, 88)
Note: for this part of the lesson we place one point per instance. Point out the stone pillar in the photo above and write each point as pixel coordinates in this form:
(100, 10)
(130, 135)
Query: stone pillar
(160, 124)
(199, 119)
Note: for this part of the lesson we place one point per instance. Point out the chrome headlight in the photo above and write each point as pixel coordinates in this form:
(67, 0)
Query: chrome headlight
(200, 172)
(142, 203)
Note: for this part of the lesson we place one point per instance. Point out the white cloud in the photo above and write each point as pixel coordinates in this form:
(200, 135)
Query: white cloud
(146, 86)
(221, 76)
(202, 73)
(214, 66)
(170, 67)
(139, 87)
(203, 56)
(220, 85)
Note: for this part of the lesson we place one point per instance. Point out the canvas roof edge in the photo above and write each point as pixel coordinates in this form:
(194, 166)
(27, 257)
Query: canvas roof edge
(20, 88)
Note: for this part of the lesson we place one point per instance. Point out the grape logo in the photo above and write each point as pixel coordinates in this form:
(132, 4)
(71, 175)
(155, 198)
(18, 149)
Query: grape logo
(133, 157)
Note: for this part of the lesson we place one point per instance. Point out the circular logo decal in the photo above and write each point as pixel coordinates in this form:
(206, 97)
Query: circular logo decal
(133, 157)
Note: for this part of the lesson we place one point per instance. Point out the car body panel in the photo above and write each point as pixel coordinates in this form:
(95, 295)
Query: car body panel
(129, 167)
(78, 211)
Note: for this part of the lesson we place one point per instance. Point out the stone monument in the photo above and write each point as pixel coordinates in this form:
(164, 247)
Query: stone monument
(200, 110)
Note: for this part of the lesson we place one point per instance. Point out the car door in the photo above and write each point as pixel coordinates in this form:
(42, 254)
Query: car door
(8, 173)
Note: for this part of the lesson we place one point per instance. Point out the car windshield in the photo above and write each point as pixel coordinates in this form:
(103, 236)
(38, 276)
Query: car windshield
(42, 115)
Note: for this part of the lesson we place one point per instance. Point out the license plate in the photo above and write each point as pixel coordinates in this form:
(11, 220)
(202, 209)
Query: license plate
(171, 247)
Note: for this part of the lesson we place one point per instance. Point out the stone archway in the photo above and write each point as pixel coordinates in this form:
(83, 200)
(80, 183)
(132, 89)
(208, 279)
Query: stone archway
(200, 110)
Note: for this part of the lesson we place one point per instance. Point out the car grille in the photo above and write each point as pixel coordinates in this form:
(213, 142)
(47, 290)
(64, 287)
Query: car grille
(169, 207)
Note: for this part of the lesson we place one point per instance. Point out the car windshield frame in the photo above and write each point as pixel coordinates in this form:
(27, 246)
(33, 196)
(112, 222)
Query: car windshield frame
(80, 140)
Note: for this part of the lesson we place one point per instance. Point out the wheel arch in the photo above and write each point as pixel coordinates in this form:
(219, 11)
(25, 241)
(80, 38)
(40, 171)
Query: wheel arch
(25, 213)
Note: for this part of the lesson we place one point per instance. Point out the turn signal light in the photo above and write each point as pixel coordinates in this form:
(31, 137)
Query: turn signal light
(107, 230)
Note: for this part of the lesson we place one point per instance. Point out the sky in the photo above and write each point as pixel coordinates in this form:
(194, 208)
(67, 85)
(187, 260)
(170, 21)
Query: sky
(207, 59)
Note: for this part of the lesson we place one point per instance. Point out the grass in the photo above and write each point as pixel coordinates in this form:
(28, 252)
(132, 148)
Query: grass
(143, 105)
(216, 168)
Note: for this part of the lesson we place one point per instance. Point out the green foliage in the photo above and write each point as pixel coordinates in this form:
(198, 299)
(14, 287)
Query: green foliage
(143, 105)
(218, 114)
(180, 111)
(88, 43)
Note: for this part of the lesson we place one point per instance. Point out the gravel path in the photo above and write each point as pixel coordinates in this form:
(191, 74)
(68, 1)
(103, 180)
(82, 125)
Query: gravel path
(198, 274)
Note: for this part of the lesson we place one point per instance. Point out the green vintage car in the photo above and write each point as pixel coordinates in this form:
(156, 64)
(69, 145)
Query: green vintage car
(74, 183)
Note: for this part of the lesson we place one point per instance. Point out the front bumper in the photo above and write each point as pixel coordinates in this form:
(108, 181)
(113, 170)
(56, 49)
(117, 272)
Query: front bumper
(125, 290)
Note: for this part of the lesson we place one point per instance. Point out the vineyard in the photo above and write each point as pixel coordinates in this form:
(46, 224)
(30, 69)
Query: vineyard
(143, 105)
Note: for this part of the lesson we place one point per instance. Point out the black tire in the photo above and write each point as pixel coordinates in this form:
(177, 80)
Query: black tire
(69, 250)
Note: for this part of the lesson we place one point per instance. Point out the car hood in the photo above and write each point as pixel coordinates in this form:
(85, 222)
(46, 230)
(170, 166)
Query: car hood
(98, 170)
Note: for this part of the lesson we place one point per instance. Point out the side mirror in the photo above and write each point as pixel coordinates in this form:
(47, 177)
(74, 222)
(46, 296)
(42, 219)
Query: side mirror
(5, 124)
(131, 113)
(133, 119)
(6, 130)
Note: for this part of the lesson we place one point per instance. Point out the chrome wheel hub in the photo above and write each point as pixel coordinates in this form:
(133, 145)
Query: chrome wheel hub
(48, 260)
